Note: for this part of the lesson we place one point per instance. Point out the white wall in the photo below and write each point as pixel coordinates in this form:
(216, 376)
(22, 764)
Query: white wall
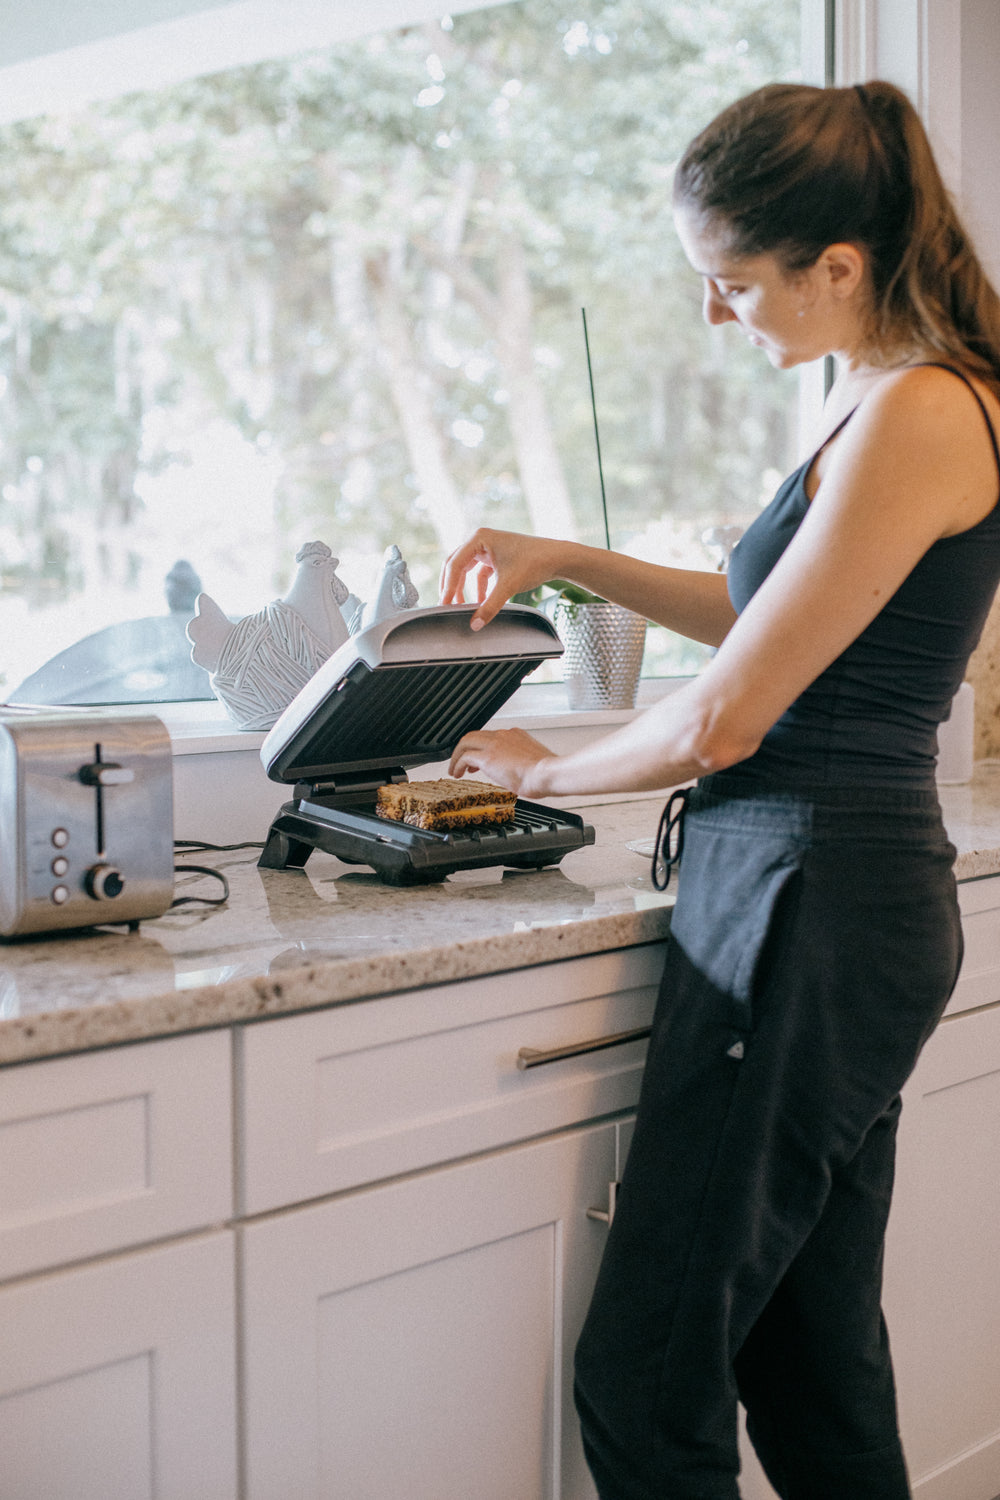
(980, 126)
(29, 30)
(946, 54)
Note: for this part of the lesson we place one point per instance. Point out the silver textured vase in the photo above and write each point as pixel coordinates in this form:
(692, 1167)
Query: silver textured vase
(603, 656)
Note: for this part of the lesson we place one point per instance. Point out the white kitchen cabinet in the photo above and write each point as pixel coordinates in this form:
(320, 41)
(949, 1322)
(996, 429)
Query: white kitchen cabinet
(413, 1251)
(470, 1260)
(410, 1330)
(942, 1293)
(113, 1148)
(336, 1098)
(117, 1378)
(942, 1287)
(117, 1370)
(979, 981)
(416, 1339)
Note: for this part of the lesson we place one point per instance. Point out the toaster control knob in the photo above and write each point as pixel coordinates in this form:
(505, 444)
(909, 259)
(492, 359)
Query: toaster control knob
(104, 882)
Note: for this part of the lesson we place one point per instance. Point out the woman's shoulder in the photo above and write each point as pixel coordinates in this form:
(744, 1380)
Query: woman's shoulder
(934, 388)
(932, 408)
(923, 387)
(931, 427)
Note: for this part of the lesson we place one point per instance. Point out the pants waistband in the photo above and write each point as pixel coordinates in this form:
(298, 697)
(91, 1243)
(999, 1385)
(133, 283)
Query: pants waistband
(821, 811)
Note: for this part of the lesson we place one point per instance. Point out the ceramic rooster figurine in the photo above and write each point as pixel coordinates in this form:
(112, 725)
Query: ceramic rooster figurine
(395, 590)
(259, 663)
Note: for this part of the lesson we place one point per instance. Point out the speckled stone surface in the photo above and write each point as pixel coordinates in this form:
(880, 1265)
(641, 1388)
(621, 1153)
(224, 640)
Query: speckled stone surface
(292, 939)
(332, 933)
(983, 671)
(972, 817)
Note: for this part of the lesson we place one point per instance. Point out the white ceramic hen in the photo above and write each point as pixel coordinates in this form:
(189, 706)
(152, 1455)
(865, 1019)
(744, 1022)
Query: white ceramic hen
(259, 663)
(395, 590)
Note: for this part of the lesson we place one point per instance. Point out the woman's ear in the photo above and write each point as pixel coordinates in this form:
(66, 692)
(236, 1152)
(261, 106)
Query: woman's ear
(844, 266)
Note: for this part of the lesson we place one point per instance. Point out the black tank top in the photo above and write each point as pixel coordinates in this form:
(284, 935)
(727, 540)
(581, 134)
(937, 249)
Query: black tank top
(872, 716)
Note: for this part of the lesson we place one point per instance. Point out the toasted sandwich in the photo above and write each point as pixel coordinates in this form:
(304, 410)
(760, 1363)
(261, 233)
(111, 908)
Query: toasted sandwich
(445, 804)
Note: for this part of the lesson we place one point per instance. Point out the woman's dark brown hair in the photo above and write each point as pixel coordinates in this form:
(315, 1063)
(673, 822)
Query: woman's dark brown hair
(791, 169)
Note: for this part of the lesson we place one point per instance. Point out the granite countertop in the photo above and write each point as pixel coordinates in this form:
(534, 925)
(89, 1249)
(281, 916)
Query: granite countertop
(293, 939)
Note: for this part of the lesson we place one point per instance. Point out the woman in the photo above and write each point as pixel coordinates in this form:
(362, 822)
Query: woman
(815, 939)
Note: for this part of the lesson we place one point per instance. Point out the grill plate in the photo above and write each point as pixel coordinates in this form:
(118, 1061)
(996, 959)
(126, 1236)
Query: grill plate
(403, 855)
(403, 693)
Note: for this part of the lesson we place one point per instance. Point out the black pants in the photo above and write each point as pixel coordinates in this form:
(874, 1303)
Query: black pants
(813, 947)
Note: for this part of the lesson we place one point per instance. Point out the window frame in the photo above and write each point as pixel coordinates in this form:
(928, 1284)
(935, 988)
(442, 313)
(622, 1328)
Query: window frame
(61, 59)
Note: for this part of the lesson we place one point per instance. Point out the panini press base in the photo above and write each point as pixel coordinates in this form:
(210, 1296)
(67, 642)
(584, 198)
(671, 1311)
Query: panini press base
(400, 694)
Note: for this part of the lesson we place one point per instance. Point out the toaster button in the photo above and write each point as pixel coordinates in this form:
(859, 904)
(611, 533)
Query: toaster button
(60, 865)
(59, 894)
(60, 838)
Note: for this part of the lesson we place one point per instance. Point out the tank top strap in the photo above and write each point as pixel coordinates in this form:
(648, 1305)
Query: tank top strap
(939, 365)
(805, 467)
(839, 428)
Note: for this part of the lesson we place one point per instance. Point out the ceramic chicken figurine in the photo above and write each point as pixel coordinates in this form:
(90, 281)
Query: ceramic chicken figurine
(259, 663)
(395, 590)
(353, 611)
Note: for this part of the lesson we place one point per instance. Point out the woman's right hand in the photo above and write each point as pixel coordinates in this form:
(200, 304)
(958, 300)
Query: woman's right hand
(501, 563)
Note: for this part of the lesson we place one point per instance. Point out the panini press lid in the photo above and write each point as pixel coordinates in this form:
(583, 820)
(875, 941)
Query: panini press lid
(404, 691)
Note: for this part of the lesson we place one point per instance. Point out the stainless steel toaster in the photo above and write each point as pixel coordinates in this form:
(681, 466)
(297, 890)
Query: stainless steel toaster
(86, 818)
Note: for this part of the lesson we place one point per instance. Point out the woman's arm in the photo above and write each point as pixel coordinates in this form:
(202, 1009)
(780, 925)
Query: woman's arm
(503, 563)
(913, 465)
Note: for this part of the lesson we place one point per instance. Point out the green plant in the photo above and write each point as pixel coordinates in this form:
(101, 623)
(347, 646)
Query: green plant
(557, 588)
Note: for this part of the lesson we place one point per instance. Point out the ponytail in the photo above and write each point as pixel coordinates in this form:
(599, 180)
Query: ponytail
(791, 169)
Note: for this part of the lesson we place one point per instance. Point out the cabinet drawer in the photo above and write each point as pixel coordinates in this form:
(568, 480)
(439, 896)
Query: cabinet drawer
(118, 1378)
(113, 1148)
(362, 1092)
(979, 980)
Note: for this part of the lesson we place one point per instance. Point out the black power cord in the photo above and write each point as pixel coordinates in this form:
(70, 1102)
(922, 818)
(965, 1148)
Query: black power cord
(201, 900)
(182, 846)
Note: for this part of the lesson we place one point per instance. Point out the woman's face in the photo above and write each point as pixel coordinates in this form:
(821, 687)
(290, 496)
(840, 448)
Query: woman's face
(783, 313)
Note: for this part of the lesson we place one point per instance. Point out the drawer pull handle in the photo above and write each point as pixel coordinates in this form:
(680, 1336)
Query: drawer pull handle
(533, 1057)
(606, 1215)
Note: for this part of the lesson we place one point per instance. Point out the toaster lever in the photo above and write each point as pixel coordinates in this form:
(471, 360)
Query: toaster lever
(106, 773)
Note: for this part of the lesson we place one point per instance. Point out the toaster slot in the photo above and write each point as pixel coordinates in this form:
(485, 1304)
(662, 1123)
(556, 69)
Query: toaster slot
(101, 773)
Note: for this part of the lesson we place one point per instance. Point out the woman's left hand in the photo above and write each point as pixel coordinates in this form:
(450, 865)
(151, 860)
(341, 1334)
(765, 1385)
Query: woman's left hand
(508, 757)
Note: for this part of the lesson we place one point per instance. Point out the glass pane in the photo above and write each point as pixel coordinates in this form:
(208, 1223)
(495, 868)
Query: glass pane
(338, 297)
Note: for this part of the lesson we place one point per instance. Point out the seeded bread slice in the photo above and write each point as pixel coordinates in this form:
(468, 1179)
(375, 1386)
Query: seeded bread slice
(444, 804)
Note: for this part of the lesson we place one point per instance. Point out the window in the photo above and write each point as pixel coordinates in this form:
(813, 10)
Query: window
(337, 296)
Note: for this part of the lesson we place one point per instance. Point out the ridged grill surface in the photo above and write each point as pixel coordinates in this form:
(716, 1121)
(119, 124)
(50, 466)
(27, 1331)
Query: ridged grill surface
(527, 823)
(401, 715)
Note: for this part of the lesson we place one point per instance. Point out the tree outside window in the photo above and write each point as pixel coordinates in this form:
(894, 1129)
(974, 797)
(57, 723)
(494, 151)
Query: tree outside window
(337, 296)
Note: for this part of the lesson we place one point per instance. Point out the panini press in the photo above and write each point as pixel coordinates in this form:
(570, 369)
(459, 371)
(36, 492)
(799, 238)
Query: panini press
(402, 693)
